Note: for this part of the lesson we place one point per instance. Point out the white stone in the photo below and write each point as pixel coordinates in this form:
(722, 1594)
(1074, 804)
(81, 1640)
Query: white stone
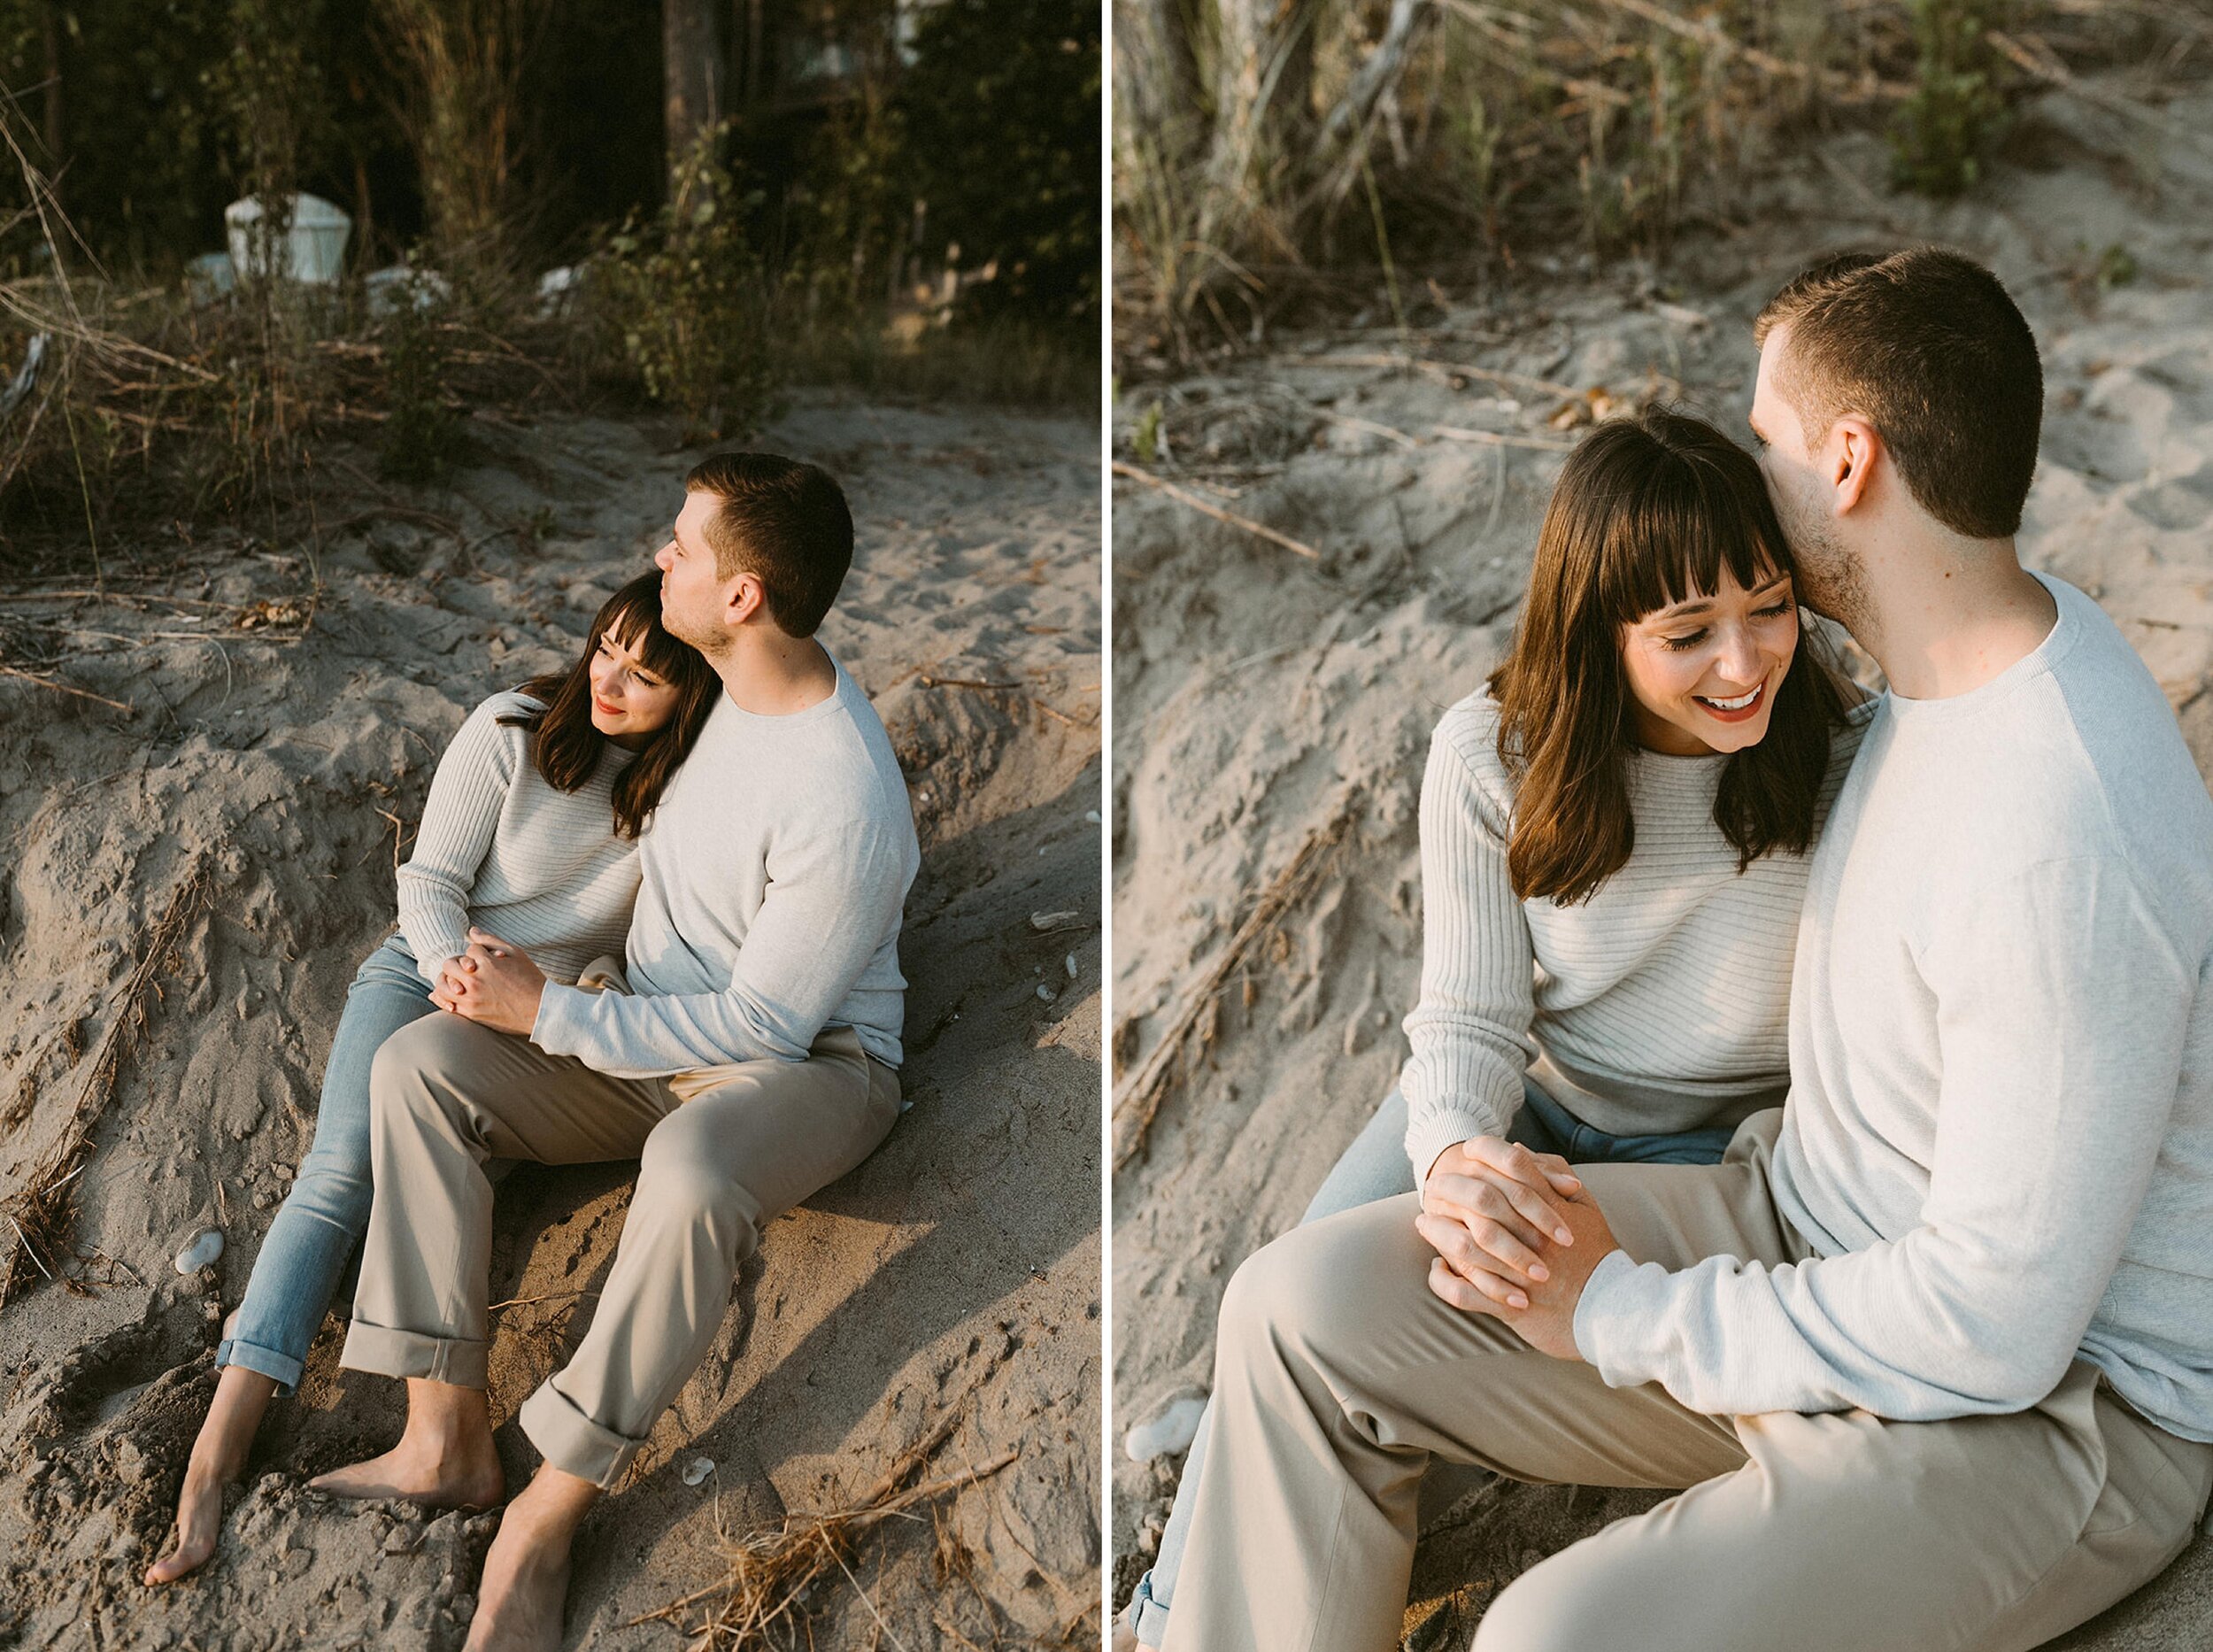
(206, 1245)
(697, 1470)
(1170, 1431)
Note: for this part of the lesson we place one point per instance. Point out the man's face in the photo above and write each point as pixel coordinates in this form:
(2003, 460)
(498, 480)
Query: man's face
(693, 595)
(1832, 579)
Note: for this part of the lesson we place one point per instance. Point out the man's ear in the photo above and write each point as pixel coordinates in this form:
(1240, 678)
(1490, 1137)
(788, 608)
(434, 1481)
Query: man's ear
(1855, 449)
(742, 600)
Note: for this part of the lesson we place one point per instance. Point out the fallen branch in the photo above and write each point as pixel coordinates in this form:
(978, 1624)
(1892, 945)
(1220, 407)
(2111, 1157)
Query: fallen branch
(1446, 370)
(41, 1214)
(2045, 65)
(1207, 508)
(1494, 438)
(64, 688)
(1140, 1099)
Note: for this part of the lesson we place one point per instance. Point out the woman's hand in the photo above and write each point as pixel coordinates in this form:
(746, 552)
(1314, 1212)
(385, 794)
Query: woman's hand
(1487, 1208)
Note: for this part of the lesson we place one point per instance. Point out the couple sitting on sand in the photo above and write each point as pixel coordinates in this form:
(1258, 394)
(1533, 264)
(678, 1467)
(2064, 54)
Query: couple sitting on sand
(1879, 1033)
(730, 817)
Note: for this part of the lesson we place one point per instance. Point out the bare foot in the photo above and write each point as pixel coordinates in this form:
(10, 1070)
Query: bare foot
(525, 1586)
(437, 1480)
(219, 1455)
(1125, 1636)
(445, 1459)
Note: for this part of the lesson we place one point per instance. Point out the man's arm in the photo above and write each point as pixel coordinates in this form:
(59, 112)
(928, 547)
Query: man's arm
(833, 899)
(2061, 1006)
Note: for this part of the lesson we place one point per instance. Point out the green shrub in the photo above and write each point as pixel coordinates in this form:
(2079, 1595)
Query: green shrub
(1943, 132)
(688, 299)
(422, 433)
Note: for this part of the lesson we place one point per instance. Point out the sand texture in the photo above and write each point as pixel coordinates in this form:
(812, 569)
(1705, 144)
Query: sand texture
(291, 696)
(1272, 711)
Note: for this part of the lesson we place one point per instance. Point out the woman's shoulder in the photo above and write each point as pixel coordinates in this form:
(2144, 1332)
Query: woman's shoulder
(1469, 731)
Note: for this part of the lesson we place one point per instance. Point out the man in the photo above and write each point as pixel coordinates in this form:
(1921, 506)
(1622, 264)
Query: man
(750, 1061)
(1932, 1348)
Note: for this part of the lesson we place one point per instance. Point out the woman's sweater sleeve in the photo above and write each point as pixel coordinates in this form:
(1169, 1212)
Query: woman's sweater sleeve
(467, 795)
(1469, 1032)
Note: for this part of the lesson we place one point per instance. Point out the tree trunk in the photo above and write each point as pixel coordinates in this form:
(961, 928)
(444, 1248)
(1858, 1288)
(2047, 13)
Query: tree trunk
(691, 75)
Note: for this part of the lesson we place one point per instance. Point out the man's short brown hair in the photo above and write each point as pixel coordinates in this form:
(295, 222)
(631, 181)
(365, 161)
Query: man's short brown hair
(1927, 346)
(785, 522)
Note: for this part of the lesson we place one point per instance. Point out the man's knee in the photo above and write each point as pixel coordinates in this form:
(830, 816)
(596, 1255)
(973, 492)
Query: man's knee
(411, 1073)
(681, 1176)
(1558, 1606)
(1314, 1287)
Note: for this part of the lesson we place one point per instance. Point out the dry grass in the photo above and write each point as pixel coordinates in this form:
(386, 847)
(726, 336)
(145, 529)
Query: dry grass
(1198, 1019)
(1284, 155)
(765, 1597)
(39, 1216)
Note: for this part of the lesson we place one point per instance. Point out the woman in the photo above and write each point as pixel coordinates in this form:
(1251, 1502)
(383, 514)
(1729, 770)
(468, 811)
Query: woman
(1614, 842)
(530, 830)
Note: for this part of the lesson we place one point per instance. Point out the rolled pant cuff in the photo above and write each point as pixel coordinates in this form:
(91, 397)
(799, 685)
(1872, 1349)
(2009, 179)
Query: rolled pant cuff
(282, 1367)
(1146, 1617)
(571, 1442)
(393, 1353)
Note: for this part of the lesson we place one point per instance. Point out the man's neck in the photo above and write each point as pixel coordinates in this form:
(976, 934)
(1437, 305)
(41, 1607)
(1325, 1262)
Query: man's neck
(1944, 619)
(771, 675)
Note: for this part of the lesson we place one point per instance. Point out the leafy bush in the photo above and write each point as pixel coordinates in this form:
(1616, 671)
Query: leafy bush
(688, 299)
(1945, 130)
(422, 434)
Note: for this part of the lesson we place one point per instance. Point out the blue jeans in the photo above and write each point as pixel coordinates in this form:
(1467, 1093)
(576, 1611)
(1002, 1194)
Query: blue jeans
(325, 1214)
(1375, 1167)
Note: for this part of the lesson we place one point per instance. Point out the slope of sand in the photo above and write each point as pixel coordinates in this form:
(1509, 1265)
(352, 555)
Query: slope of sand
(1269, 707)
(274, 753)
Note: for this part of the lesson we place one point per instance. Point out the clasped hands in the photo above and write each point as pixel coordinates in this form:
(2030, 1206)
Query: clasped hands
(493, 984)
(1517, 1237)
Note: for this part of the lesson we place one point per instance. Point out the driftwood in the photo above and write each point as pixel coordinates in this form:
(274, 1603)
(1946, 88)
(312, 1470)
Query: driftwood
(1194, 1022)
(1207, 508)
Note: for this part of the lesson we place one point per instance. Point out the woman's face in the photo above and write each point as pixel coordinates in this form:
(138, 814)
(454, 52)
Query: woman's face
(1702, 674)
(630, 704)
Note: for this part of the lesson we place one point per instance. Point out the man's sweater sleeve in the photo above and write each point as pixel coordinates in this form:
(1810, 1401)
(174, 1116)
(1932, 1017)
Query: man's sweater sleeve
(833, 896)
(2061, 1004)
(1469, 1032)
(468, 791)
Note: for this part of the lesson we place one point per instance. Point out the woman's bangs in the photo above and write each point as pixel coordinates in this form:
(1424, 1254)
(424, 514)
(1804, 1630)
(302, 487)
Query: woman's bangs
(1674, 545)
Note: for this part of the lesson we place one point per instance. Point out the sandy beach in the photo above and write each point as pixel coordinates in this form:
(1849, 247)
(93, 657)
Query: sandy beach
(1274, 702)
(209, 758)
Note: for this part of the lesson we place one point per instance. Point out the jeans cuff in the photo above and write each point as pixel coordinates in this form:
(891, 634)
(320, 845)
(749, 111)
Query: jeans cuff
(393, 1353)
(283, 1367)
(571, 1441)
(1147, 1617)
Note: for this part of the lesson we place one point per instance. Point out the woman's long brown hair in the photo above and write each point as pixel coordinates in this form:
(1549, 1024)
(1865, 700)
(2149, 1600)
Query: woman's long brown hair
(1648, 512)
(565, 748)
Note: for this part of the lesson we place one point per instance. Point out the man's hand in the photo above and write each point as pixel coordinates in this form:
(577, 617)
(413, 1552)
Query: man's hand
(493, 984)
(1548, 1323)
(1510, 1201)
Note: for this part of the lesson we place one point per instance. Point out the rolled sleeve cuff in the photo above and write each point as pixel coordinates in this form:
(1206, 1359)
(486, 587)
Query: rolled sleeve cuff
(1606, 1316)
(1436, 1129)
(560, 1010)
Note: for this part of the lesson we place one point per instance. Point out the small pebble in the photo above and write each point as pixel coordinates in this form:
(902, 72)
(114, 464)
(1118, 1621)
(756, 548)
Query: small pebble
(697, 1470)
(1045, 992)
(1167, 1431)
(1043, 922)
(1091, 815)
(1071, 962)
(206, 1245)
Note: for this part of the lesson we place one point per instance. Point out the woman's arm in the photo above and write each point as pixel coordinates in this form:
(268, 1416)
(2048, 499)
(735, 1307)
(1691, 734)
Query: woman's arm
(1469, 1032)
(467, 795)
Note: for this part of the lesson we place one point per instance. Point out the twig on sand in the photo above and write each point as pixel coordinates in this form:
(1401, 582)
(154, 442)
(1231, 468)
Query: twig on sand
(1195, 1018)
(64, 688)
(39, 1213)
(1446, 370)
(1495, 438)
(772, 1571)
(1206, 507)
(2036, 60)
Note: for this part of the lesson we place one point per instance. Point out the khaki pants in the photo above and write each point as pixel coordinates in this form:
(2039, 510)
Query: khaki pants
(1340, 1376)
(721, 1152)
